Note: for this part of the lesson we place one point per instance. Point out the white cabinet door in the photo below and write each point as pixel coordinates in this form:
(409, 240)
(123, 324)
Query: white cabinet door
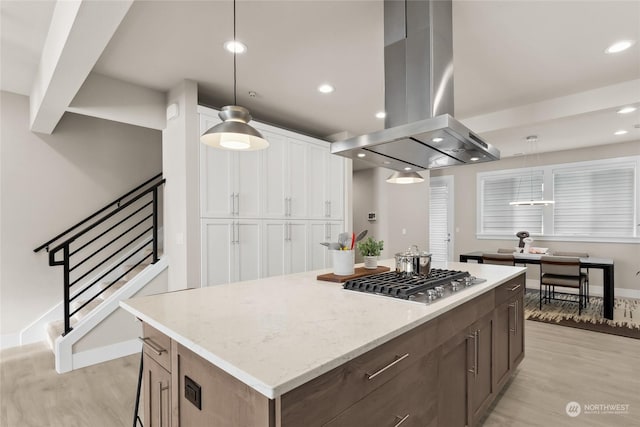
(274, 233)
(318, 202)
(275, 176)
(217, 243)
(216, 178)
(284, 247)
(335, 186)
(322, 231)
(297, 178)
(230, 251)
(295, 248)
(229, 181)
(246, 254)
(248, 168)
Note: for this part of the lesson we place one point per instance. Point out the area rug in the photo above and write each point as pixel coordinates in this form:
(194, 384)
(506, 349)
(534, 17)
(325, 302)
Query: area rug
(626, 314)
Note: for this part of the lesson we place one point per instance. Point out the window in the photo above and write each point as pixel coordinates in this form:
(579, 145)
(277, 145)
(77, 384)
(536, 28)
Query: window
(498, 191)
(593, 201)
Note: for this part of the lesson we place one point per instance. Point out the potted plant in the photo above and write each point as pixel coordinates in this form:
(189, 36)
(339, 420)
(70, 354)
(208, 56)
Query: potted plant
(370, 250)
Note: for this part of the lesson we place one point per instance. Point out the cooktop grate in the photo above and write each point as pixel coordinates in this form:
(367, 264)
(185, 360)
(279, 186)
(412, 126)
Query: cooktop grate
(395, 285)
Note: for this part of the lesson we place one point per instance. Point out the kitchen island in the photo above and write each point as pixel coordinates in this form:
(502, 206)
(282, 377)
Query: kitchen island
(294, 351)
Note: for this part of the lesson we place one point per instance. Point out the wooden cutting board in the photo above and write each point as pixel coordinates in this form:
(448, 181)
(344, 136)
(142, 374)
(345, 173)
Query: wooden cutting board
(357, 272)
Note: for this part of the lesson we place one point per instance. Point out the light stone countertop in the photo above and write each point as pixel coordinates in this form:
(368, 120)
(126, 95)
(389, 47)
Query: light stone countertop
(278, 333)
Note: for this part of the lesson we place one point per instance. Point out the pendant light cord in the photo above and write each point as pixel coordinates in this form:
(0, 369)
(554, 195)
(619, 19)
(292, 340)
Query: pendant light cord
(235, 98)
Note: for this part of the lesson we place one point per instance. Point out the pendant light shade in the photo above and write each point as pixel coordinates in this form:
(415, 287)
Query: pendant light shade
(234, 133)
(405, 178)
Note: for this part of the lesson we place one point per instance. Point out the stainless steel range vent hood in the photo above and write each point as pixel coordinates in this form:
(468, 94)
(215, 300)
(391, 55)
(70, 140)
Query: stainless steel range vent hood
(418, 62)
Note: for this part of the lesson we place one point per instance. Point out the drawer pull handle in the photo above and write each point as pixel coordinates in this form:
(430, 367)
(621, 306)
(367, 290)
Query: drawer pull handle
(397, 360)
(152, 345)
(515, 288)
(402, 419)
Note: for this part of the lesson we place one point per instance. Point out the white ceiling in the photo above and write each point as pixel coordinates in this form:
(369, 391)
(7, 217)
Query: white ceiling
(507, 54)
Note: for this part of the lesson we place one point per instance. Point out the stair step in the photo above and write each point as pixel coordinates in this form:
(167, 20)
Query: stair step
(85, 310)
(54, 330)
(116, 286)
(133, 273)
(149, 250)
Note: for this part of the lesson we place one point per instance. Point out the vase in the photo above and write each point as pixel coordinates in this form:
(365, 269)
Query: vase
(371, 262)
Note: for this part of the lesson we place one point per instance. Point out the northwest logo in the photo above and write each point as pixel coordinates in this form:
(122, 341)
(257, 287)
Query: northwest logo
(573, 409)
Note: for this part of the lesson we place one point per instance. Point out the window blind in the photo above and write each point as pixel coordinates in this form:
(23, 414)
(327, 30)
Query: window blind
(438, 222)
(596, 202)
(498, 217)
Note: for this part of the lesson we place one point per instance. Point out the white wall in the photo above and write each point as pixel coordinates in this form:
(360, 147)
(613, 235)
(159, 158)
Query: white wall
(625, 255)
(180, 146)
(50, 182)
(397, 207)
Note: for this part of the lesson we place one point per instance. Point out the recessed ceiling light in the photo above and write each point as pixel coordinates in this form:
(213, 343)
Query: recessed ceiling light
(626, 110)
(437, 139)
(381, 115)
(234, 46)
(361, 155)
(325, 88)
(474, 159)
(619, 46)
(386, 162)
(407, 168)
(620, 132)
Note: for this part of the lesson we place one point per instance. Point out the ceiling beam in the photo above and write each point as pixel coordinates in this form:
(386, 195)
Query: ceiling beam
(79, 32)
(604, 98)
(111, 99)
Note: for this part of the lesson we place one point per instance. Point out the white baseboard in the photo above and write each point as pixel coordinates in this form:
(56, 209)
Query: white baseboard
(9, 340)
(595, 290)
(106, 353)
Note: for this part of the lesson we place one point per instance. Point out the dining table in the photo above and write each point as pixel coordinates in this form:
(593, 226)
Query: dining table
(605, 264)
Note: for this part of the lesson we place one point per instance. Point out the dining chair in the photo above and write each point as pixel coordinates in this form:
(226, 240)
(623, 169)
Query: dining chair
(563, 272)
(579, 255)
(499, 259)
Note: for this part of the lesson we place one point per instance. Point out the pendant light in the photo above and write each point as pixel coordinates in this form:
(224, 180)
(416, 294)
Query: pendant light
(531, 139)
(405, 178)
(234, 133)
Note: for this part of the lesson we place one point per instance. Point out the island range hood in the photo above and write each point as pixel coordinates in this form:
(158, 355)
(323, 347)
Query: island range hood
(420, 132)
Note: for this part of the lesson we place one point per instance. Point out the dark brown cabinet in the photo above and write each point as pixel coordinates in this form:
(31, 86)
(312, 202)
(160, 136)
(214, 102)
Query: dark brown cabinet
(465, 376)
(508, 330)
(445, 372)
(157, 394)
(157, 391)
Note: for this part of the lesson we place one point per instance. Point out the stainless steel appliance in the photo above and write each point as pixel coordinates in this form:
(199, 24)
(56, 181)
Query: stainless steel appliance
(438, 284)
(413, 262)
(420, 132)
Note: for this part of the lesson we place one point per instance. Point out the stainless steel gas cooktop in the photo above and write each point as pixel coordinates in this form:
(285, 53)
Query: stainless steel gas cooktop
(425, 289)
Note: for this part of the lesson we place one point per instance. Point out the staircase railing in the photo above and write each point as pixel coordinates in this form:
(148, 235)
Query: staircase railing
(128, 223)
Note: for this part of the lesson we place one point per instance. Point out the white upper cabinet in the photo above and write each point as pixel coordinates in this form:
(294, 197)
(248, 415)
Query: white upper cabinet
(285, 178)
(326, 184)
(229, 181)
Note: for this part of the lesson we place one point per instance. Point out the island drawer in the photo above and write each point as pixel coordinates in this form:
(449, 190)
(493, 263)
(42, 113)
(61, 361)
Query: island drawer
(157, 346)
(509, 290)
(409, 399)
(324, 397)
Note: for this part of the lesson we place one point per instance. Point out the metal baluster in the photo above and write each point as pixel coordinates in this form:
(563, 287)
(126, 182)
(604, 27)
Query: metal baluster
(155, 225)
(65, 261)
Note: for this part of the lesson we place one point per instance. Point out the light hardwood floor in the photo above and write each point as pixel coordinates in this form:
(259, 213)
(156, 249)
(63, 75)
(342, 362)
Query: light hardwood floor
(561, 365)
